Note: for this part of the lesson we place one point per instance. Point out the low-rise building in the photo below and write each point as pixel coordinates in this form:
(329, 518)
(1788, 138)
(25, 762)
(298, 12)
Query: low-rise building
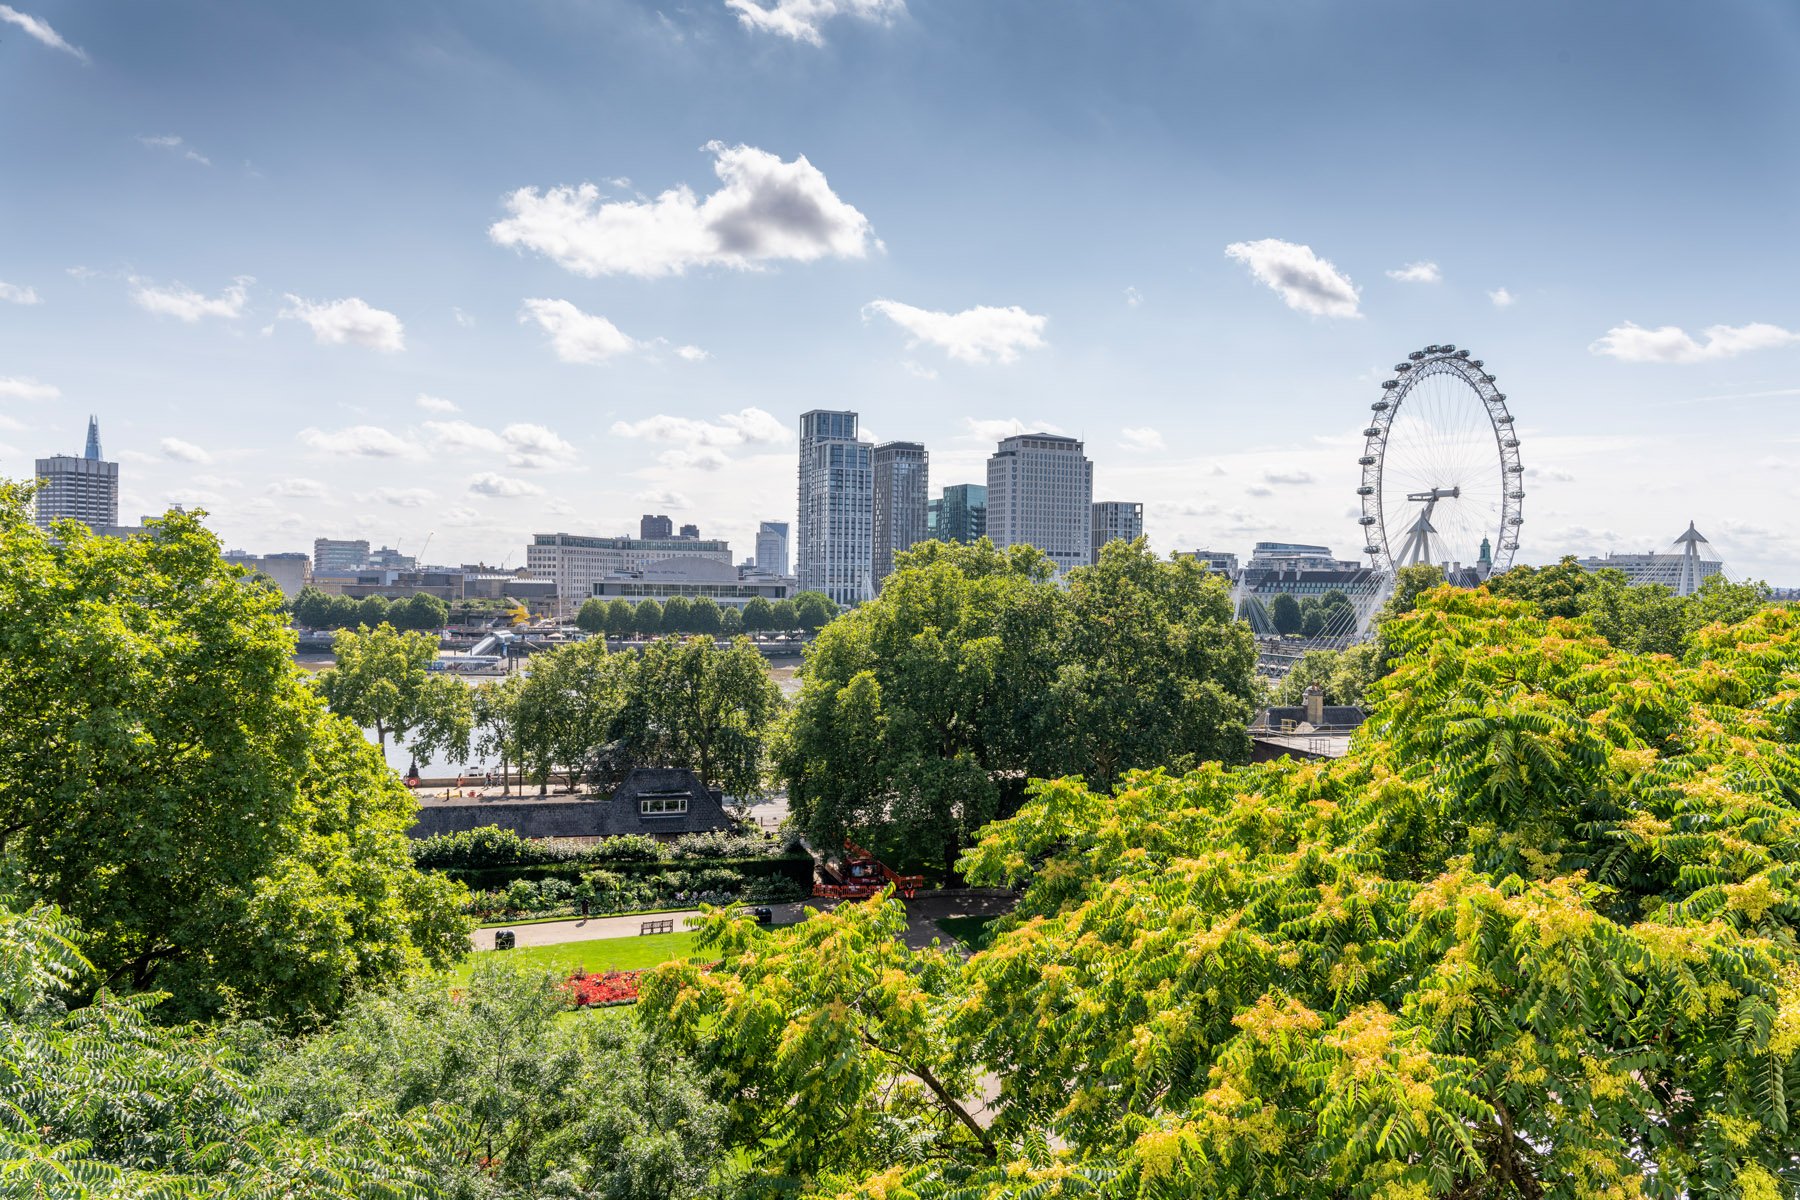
(576, 562)
(728, 586)
(289, 571)
(1682, 568)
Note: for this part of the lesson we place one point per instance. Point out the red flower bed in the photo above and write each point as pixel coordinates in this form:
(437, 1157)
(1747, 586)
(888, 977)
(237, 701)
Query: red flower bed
(611, 987)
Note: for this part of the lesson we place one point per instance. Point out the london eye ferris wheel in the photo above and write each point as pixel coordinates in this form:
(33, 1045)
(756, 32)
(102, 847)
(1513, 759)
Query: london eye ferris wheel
(1441, 477)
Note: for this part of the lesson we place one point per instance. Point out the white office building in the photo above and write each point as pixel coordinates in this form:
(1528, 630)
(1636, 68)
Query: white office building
(575, 562)
(1681, 569)
(837, 507)
(902, 499)
(694, 578)
(772, 548)
(1040, 492)
(84, 489)
(1116, 521)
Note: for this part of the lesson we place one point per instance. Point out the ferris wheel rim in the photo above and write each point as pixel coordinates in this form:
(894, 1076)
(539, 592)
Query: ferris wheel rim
(1433, 361)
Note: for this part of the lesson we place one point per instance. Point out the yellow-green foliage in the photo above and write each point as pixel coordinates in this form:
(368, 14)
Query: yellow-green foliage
(1535, 936)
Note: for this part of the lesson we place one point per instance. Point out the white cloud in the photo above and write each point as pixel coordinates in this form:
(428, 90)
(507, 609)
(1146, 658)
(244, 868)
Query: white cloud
(919, 369)
(536, 446)
(525, 445)
(13, 387)
(362, 441)
(40, 30)
(436, 404)
(664, 498)
(700, 458)
(1140, 438)
(766, 210)
(1133, 297)
(1418, 272)
(416, 497)
(299, 489)
(1301, 278)
(996, 428)
(749, 426)
(1259, 490)
(577, 337)
(185, 304)
(352, 321)
(176, 145)
(180, 451)
(500, 487)
(692, 353)
(1502, 298)
(977, 335)
(800, 19)
(1671, 344)
(1287, 477)
(17, 293)
(463, 318)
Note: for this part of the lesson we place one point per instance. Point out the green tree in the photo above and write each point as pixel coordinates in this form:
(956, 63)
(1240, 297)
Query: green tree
(1554, 590)
(1154, 670)
(677, 615)
(592, 616)
(731, 622)
(1284, 614)
(382, 681)
(920, 712)
(759, 615)
(494, 716)
(311, 609)
(647, 617)
(1537, 935)
(619, 621)
(704, 616)
(371, 611)
(1312, 620)
(784, 616)
(172, 781)
(813, 610)
(571, 700)
(712, 710)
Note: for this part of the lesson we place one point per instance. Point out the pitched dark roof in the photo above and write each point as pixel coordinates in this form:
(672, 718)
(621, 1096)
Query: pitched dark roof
(584, 816)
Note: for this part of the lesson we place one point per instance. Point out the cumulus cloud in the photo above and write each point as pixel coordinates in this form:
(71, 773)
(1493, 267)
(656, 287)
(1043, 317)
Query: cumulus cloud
(1302, 279)
(176, 145)
(1502, 298)
(524, 445)
(1671, 344)
(436, 404)
(749, 426)
(501, 488)
(665, 498)
(349, 321)
(39, 29)
(181, 451)
(1141, 438)
(692, 353)
(1133, 297)
(577, 337)
(299, 489)
(416, 497)
(800, 19)
(17, 293)
(700, 458)
(361, 441)
(185, 304)
(13, 387)
(764, 211)
(977, 335)
(1418, 272)
(995, 429)
(1287, 477)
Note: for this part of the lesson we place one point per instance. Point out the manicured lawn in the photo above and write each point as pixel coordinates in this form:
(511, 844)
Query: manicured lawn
(970, 931)
(602, 954)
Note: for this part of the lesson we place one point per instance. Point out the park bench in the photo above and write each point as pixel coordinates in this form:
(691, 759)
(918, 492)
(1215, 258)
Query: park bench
(664, 925)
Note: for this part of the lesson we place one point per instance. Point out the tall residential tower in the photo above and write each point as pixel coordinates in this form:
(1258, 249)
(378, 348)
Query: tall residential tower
(837, 507)
(772, 548)
(1115, 521)
(85, 489)
(901, 498)
(1040, 492)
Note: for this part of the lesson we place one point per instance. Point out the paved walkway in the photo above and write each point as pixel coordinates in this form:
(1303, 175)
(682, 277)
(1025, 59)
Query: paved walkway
(551, 933)
(921, 921)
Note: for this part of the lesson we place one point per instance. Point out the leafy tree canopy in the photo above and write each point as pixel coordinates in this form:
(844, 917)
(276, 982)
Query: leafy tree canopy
(168, 778)
(1538, 935)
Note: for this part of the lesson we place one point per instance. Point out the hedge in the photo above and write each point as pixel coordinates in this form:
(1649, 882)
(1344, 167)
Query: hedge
(797, 867)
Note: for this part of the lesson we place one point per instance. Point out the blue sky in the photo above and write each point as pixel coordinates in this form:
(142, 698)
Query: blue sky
(311, 265)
